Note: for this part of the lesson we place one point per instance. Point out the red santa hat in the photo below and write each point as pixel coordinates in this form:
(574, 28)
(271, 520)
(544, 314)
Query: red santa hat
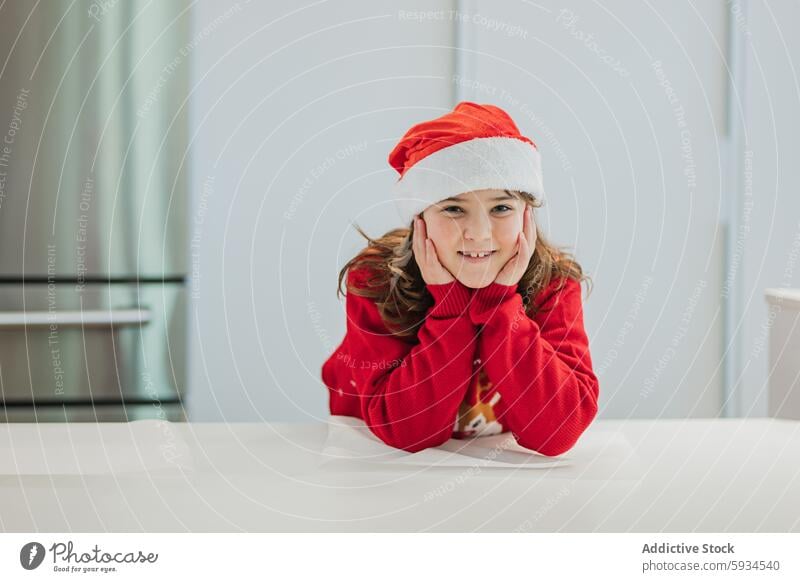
(473, 147)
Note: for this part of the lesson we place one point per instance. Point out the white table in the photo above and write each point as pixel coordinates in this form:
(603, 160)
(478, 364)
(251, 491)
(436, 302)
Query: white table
(729, 475)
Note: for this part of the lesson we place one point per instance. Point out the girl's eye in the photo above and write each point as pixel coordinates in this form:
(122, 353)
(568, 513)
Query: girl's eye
(505, 206)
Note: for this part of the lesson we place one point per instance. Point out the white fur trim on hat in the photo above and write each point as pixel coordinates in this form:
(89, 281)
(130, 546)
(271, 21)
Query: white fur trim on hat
(503, 163)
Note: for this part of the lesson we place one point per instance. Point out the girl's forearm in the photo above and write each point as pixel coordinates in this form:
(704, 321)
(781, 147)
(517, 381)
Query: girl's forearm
(543, 372)
(413, 406)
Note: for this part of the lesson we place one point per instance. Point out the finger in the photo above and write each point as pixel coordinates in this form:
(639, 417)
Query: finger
(434, 252)
(435, 256)
(529, 231)
(524, 255)
(528, 225)
(522, 249)
(417, 242)
(523, 244)
(430, 253)
(423, 228)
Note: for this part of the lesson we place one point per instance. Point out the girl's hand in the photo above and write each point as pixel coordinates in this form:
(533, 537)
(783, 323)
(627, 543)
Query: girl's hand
(516, 266)
(425, 254)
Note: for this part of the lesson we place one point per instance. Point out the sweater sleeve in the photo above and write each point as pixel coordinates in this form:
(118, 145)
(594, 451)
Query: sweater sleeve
(409, 393)
(541, 367)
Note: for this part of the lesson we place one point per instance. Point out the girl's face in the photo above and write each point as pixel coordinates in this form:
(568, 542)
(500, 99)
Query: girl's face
(481, 220)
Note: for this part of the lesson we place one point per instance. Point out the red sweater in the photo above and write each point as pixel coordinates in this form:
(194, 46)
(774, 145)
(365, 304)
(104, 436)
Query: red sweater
(541, 383)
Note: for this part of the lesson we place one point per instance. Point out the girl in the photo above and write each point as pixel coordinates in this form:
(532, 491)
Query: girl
(466, 323)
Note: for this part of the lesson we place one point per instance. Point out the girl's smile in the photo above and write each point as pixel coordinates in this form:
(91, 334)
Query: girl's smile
(477, 257)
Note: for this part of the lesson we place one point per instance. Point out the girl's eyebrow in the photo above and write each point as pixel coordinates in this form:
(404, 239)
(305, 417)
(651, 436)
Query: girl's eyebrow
(506, 197)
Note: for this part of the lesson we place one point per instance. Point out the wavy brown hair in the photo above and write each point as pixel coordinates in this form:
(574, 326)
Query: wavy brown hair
(401, 295)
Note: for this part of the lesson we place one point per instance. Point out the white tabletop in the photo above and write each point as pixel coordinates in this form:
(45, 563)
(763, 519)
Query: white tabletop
(736, 475)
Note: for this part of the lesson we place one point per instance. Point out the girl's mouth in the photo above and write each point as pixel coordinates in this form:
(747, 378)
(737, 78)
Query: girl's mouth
(478, 258)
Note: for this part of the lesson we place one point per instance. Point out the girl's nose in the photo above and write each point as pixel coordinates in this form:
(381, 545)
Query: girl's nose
(478, 227)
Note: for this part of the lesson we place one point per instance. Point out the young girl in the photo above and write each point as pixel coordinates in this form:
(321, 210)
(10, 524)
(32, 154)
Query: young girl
(466, 323)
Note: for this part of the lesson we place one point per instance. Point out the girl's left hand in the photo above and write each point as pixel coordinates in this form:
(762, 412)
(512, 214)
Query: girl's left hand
(516, 266)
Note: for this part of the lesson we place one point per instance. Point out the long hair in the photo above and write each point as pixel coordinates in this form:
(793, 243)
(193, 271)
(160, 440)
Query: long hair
(401, 295)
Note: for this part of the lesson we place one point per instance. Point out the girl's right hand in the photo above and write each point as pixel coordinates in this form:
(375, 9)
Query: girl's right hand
(425, 254)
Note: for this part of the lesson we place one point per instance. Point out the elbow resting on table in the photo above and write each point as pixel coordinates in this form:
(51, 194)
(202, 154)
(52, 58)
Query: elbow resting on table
(413, 443)
(548, 449)
(558, 441)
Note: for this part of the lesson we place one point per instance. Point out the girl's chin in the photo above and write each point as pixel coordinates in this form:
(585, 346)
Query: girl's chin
(477, 282)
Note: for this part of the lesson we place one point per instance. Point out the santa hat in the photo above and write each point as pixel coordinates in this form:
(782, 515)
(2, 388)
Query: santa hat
(473, 147)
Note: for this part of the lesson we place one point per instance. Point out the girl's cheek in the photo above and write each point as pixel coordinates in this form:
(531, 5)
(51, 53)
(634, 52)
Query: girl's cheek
(510, 237)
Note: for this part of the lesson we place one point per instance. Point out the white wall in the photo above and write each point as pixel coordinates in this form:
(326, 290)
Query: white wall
(296, 109)
(771, 247)
(632, 178)
(276, 97)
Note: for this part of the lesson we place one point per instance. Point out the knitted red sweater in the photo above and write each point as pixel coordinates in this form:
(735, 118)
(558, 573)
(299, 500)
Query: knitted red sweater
(409, 393)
